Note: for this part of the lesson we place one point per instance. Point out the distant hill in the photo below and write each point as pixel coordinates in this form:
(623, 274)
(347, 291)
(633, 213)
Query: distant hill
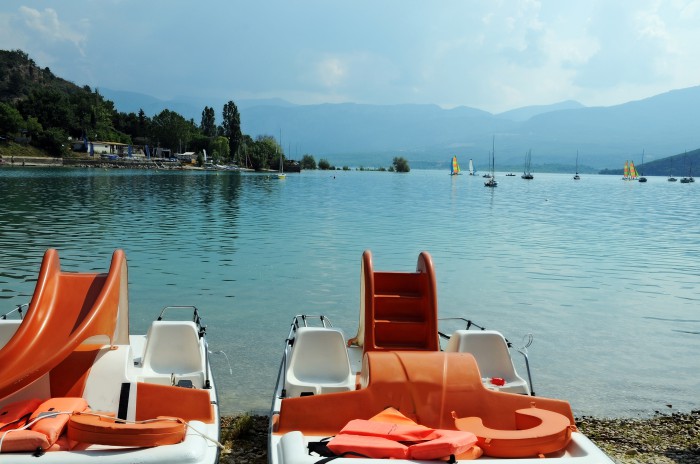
(527, 112)
(680, 165)
(189, 108)
(427, 135)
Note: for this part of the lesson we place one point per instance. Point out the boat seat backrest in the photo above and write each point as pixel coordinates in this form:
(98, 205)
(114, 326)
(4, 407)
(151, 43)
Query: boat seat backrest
(172, 347)
(490, 349)
(319, 362)
(8, 327)
(425, 386)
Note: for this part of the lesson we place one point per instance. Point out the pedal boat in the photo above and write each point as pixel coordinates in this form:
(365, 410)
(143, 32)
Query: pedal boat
(77, 387)
(393, 390)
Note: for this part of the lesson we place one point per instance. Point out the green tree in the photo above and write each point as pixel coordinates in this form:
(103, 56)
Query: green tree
(324, 164)
(262, 153)
(33, 127)
(244, 151)
(200, 142)
(208, 126)
(170, 130)
(54, 140)
(219, 148)
(308, 162)
(143, 124)
(232, 127)
(401, 165)
(10, 119)
(50, 106)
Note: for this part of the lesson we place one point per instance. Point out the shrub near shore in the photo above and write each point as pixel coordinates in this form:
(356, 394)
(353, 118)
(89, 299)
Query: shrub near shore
(661, 439)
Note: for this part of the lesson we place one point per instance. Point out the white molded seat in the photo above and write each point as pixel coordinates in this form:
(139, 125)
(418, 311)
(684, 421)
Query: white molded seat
(172, 347)
(8, 327)
(490, 349)
(319, 363)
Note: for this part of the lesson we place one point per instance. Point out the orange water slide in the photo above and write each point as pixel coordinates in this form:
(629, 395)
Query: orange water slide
(66, 310)
(398, 310)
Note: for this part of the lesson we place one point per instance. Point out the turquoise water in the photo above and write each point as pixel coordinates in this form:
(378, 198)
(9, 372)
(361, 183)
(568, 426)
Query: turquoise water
(604, 273)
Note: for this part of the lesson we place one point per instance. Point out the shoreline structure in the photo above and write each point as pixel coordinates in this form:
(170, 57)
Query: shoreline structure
(660, 439)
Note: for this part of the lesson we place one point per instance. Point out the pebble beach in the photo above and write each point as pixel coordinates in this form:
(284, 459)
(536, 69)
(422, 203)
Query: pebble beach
(660, 439)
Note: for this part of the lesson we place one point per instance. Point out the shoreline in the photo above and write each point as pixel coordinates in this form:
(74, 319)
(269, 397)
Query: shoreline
(660, 439)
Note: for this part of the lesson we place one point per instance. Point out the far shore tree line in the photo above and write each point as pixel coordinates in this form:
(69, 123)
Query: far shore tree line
(51, 114)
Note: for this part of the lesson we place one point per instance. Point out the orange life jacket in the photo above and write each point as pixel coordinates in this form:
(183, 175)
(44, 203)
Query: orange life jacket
(379, 439)
(15, 415)
(41, 418)
(52, 424)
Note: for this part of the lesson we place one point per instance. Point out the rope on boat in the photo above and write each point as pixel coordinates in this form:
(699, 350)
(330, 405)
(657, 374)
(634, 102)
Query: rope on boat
(44, 415)
(230, 371)
(146, 421)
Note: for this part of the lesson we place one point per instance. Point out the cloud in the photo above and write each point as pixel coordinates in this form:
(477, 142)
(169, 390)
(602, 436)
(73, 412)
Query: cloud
(48, 26)
(494, 55)
(331, 72)
(352, 73)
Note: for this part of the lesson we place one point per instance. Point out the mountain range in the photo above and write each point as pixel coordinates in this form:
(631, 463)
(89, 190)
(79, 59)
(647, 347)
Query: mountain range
(428, 135)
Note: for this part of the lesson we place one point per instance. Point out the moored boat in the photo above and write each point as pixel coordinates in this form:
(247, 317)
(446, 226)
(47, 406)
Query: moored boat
(641, 170)
(394, 392)
(77, 387)
(491, 183)
(527, 175)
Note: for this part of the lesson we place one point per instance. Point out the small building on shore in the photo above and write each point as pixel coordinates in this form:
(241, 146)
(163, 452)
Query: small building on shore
(103, 149)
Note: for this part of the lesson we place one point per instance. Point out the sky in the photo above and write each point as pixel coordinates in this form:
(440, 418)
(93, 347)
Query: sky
(494, 55)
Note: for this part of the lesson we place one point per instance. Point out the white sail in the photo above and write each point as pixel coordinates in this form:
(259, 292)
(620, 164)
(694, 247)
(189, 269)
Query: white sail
(471, 167)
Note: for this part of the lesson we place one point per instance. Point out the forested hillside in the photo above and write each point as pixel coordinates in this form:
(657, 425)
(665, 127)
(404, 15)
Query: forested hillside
(43, 111)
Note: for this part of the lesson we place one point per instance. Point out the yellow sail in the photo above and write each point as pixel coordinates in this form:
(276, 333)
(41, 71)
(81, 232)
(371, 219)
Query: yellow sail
(455, 166)
(633, 171)
(626, 172)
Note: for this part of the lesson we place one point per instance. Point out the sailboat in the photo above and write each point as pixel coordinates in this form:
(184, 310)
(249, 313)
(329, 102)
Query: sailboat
(576, 176)
(454, 169)
(670, 174)
(492, 178)
(280, 173)
(633, 171)
(641, 177)
(629, 172)
(526, 170)
(471, 168)
(689, 179)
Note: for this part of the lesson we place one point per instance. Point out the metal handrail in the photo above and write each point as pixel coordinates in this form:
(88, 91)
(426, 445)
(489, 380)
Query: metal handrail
(18, 310)
(196, 318)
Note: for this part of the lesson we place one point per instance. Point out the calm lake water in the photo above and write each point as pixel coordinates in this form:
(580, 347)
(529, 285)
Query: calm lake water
(604, 273)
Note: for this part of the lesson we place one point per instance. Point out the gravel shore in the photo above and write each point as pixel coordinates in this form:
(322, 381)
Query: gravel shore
(661, 439)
